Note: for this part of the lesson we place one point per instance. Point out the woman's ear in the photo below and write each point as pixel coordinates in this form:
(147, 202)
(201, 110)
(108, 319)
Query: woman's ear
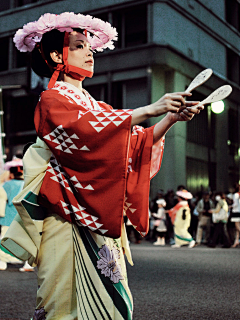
(56, 56)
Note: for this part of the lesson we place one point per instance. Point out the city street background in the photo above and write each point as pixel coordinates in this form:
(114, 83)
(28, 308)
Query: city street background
(167, 284)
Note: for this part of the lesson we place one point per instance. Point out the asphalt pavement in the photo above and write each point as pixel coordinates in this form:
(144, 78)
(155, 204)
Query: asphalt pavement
(166, 283)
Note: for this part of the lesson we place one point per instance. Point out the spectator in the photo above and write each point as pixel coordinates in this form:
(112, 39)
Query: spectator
(204, 218)
(236, 214)
(12, 187)
(220, 218)
(170, 203)
(160, 223)
(194, 214)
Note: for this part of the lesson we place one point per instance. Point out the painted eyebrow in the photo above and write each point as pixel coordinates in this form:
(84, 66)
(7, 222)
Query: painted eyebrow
(83, 42)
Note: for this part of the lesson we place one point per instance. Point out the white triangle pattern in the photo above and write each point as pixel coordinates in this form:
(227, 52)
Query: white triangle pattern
(78, 185)
(83, 218)
(64, 141)
(58, 173)
(105, 118)
(127, 206)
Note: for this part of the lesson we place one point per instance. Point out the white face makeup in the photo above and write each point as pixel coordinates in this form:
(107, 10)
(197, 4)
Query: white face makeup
(80, 53)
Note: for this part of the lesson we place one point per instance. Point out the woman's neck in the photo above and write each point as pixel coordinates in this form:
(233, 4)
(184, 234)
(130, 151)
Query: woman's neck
(73, 82)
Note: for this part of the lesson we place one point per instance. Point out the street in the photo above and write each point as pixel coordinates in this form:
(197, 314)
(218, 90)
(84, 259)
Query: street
(166, 283)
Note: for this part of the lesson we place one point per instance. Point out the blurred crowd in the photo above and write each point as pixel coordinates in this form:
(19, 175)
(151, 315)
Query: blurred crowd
(179, 219)
(11, 183)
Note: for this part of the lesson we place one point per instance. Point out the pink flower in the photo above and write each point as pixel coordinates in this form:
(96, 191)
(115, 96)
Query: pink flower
(108, 263)
(39, 314)
(26, 38)
(47, 22)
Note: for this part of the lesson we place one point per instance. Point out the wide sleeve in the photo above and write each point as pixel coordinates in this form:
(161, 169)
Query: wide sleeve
(143, 163)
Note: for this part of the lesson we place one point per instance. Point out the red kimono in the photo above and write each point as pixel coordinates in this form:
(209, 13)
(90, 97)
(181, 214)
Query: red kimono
(99, 168)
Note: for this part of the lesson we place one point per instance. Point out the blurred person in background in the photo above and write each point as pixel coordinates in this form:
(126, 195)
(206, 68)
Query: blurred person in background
(170, 203)
(220, 218)
(194, 214)
(160, 223)
(235, 215)
(230, 224)
(11, 187)
(204, 218)
(181, 218)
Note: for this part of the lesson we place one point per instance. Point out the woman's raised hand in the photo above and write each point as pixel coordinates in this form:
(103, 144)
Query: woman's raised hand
(170, 102)
(174, 104)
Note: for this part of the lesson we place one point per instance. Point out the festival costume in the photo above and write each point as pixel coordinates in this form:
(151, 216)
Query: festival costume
(95, 263)
(85, 171)
(181, 217)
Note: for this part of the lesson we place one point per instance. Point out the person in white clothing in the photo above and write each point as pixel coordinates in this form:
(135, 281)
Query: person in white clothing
(236, 214)
(160, 223)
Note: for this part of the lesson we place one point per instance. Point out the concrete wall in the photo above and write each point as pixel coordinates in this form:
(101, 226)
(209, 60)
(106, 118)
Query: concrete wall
(199, 39)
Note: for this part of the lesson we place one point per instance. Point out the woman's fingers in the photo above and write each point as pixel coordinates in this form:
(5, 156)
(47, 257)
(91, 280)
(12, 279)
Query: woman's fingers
(177, 97)
(186, 114)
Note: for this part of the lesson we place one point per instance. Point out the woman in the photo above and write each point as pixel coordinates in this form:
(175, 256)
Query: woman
(235, 216)
(90, 165)
(220, 218)
(181, 218)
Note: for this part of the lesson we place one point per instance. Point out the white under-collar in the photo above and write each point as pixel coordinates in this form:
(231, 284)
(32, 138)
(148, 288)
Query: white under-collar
(184, 202)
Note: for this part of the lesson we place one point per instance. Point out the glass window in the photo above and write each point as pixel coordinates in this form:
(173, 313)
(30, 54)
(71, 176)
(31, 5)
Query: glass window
(118, 24)
(197, 128)
(233, 65)
(117, 95)
(98, 92)
(23, 113)
(233, 132)
(4, 53)
(136, 26)
(136, 93)
(19, 58)
(5, 5)
(131, 25)
(233, 13)
(130, 94)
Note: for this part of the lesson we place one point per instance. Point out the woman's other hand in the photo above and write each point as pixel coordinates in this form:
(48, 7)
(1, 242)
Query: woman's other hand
(170, 102)
(187, 112)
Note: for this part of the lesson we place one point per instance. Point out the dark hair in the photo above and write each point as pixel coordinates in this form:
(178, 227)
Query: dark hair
(221, 194)
(52, 40)
(17, 172)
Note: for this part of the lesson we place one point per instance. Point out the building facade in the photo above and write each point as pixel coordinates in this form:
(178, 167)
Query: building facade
(162, 46)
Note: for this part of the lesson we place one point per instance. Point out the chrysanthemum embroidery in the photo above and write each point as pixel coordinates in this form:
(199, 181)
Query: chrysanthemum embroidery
(39, 314)
(108, 263)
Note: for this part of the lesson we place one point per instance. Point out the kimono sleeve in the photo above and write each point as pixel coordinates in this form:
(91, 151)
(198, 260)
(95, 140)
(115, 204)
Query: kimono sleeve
(143, 162)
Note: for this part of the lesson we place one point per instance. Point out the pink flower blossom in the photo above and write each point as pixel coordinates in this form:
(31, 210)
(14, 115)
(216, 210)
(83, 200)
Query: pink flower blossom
(108, 263)
(26, 38)
(39, 314)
